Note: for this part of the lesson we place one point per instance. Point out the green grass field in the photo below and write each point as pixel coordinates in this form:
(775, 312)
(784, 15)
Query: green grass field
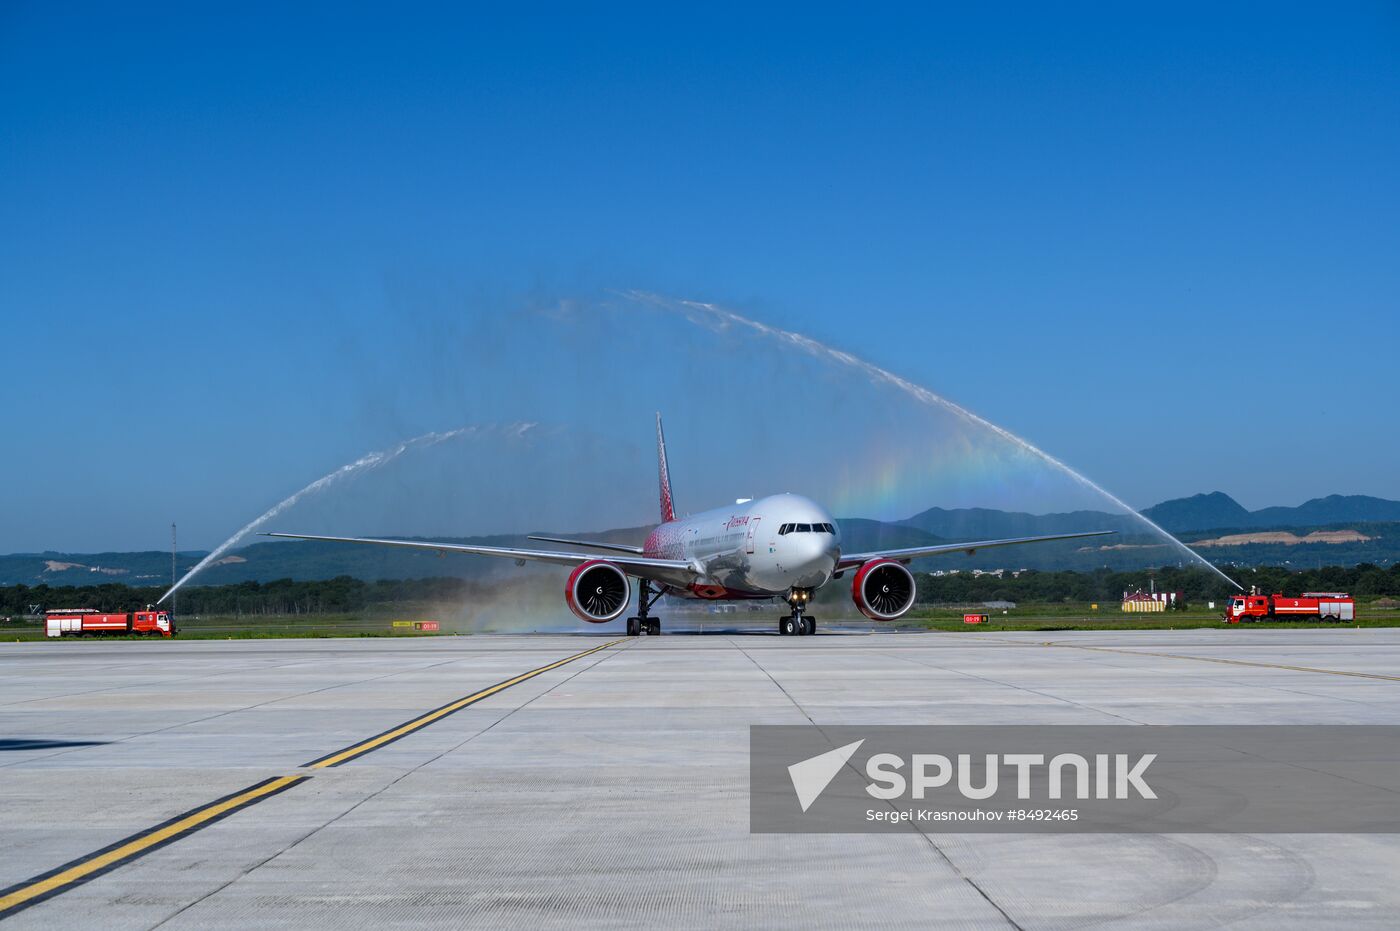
(1031, 617)
(1050, 617)
(250, 628)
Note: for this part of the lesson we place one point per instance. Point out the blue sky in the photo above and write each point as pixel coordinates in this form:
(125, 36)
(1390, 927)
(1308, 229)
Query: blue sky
(1160, 242)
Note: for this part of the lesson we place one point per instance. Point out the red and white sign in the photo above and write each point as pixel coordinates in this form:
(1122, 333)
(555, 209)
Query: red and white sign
(425, 625)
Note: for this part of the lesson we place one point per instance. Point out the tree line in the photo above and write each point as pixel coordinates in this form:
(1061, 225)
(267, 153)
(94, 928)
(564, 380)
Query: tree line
(340, 595)
(1365, 581)
(345, 594)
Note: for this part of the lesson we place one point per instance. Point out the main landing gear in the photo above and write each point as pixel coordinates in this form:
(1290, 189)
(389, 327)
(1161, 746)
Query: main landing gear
(798, 623)
(644, 623)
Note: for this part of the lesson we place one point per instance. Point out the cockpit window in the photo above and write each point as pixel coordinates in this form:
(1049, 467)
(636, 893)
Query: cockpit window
(786, 529)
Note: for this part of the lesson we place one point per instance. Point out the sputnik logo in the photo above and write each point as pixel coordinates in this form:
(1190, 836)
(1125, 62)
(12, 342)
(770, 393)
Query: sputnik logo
(811, 776)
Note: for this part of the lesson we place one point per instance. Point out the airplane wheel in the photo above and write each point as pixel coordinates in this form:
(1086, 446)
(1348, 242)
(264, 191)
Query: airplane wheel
(788, 627)
(654, 628)
(633, 626)
(811, 624)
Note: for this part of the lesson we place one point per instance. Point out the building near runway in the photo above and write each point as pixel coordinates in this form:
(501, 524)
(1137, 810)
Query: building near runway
(1141, 601)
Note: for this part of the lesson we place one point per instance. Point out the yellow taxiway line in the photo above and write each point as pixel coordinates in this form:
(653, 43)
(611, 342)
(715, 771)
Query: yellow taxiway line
(75, 872)
(33, 891)
(408, 727)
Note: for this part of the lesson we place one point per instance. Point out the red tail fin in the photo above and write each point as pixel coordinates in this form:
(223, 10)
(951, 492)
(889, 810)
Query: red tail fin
(668, 509)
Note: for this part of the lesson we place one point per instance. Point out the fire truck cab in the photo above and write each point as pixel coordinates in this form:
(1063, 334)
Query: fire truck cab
(153, 622)
(1247, 607)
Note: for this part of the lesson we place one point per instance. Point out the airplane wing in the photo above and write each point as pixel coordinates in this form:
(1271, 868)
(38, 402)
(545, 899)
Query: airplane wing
(641, 566)
(616, 547)
(850, 561)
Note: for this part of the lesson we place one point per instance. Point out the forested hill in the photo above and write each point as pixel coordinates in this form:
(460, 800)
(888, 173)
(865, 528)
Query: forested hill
(1218, 511)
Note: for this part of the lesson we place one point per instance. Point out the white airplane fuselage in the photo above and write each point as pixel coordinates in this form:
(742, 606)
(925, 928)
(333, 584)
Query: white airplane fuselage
(754, 549)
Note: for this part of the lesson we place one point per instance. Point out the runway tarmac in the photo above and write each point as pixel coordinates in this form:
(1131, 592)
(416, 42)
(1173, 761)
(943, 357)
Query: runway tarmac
(371, 783)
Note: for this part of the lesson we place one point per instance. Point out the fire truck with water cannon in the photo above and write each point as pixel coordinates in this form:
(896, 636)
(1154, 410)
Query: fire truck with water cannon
(61, 622)
(1326, 606)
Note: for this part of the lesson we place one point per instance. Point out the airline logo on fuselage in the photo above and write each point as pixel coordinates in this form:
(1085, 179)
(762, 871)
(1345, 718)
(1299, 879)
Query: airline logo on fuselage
(736, 522)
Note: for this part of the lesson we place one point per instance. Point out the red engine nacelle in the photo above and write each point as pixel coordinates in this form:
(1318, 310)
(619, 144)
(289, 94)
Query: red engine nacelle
(883, 589)
(598, 591)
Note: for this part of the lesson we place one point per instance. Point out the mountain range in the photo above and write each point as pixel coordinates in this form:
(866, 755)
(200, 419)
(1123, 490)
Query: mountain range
(1218, 511)
(1225, 531)
(1214, 511)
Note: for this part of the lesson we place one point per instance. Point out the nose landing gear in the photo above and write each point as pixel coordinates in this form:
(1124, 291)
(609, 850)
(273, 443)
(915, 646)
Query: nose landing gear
(644, 623)
(798, 623)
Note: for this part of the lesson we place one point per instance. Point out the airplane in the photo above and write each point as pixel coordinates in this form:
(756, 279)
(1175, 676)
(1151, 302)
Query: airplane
(780, 546)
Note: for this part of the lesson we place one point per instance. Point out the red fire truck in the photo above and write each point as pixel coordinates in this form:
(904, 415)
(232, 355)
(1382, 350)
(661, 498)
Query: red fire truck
(1327, 606)
(61, 622)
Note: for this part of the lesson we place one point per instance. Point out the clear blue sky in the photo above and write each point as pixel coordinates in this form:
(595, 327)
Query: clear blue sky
(1162, 242)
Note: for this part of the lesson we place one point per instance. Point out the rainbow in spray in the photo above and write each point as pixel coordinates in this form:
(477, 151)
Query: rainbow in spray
(714, 317)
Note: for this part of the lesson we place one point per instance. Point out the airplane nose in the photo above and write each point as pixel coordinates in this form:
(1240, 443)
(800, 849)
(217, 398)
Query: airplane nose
(813, 558)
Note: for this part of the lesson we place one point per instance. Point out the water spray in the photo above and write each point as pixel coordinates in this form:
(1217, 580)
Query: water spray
(368, 461)
(716, 317)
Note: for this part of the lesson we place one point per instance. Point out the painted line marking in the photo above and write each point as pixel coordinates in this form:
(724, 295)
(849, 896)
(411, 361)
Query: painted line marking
(1228, 662)
(76, 872)
(437, 714)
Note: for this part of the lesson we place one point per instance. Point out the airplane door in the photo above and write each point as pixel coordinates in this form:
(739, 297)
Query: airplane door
(753, 529)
